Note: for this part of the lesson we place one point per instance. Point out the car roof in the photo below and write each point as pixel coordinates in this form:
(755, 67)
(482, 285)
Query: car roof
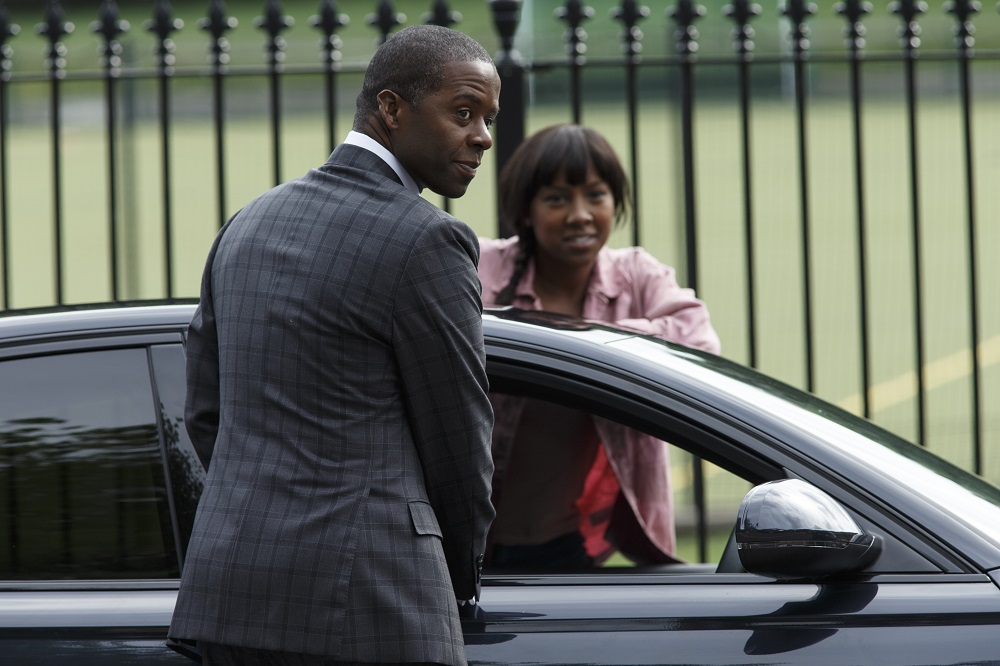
(40, 323)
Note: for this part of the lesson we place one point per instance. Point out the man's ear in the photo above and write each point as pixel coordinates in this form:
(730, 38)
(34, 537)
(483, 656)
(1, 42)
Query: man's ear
(389, 105)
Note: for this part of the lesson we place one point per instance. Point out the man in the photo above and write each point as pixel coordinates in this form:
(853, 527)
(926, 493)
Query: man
(337, 390)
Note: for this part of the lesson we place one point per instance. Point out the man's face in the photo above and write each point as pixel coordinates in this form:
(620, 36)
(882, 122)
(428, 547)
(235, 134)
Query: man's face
(442, 142)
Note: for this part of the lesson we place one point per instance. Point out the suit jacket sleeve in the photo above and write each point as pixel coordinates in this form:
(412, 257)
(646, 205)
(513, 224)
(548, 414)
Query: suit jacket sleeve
(438, 340)
(201, 410)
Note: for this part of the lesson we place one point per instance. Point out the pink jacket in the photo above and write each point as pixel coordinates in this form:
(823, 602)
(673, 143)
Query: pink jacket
(630, 288)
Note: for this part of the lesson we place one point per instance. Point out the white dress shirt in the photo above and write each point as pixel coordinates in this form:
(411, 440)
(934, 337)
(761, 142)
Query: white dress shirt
(368, 143)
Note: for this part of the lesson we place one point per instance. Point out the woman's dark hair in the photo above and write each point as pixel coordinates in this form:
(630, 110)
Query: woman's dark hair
(567, 150)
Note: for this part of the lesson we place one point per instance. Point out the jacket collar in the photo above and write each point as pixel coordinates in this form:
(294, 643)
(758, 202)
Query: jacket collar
(370, 144)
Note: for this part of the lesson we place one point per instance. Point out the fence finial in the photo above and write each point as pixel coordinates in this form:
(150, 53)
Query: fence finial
(385, 19)
(110, 26)
(908, 11)
(742, 12)
(963, 11)
(630, 13)
(7, 30)
(274, 22)
(798, 12)
(54, 29)
(853, 11)
(163, 24)
(329, 21)
(441, 14)
(218, 24)
(506, 18)
(684, 14)
(574, 13)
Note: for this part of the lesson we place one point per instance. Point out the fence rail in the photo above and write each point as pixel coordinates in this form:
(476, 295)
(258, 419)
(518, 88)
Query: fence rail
(690, 81)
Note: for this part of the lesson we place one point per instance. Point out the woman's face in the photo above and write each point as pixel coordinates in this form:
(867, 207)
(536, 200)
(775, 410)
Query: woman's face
(572, 222)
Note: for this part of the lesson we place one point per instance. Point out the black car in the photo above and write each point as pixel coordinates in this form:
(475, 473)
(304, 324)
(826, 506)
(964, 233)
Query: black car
(851, 546)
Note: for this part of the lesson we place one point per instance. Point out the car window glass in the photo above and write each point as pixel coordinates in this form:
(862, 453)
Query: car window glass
(724, 491)
(187, 476)
(81, 475)
(559, 467)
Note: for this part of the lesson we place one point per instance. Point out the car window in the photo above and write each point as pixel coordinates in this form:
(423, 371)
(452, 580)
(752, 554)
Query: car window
(724, 491)
(81, 473)
(560, 465)
(187, 476)
(691, 451)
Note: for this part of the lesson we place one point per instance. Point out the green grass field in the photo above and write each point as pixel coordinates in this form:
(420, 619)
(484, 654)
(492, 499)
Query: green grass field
(721, 239)
(722, 275)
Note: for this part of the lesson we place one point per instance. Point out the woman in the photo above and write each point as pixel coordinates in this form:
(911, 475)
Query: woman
(570, 489)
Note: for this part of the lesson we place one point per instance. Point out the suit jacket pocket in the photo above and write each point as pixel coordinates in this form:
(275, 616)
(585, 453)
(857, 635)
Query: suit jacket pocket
(424, 520)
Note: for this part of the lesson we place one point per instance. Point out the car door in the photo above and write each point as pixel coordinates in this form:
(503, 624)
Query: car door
(690, 618)
(89, 542)
(919, 607)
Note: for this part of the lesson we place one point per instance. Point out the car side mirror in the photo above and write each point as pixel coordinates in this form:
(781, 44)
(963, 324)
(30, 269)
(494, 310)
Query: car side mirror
(789, 529)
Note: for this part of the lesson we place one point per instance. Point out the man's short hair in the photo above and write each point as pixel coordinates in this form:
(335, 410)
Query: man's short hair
(411, 62)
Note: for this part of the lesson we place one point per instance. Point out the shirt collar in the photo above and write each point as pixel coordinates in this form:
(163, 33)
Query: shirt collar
(364, 141)
(604, 280)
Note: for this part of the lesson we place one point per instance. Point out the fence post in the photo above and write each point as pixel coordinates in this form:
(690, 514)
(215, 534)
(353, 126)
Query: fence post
(797, 11)
(7, 30)
(963, 11)
(328, 21)
(908, 11)
(217, 24)
(574, 14)
(513, 107)
(274, 22)
(742, 12)
(442, 15)
(110, 27)
(163, 24)
(630, 14)
(54, 29)
(684, 15)
(853, 10)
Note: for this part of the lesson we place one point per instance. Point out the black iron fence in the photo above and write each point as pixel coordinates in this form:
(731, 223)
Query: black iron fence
(834, 205)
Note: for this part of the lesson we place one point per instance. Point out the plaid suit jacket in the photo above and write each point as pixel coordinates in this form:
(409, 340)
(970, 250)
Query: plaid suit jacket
(337, 393)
